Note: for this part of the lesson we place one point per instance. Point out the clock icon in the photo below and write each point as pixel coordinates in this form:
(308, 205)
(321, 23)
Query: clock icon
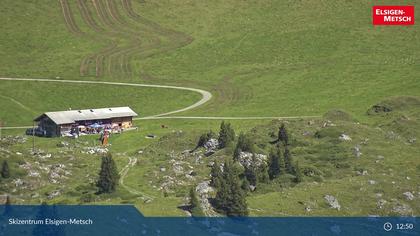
(387, 226)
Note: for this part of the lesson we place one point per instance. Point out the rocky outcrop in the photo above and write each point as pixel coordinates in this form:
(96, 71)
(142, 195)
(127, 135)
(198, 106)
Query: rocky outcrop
(246, 159)
(332, 202)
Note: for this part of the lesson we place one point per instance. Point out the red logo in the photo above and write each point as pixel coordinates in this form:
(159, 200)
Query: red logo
(393, 15)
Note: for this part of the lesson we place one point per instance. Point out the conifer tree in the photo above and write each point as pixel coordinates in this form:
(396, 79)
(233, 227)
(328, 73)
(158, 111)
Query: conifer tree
(216, 175)
(226, 135)
(283, 136)
(204, 138)
(288, 161)
(245, 185)
(276, 165)
(230, 198)
(5, 173)
(108, 175)
(251, 175)
(244, 144)
(195, 204)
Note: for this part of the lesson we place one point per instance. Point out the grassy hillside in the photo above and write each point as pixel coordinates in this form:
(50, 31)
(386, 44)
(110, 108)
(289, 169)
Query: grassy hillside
(270, 58)
(372, 184)
(22, 101)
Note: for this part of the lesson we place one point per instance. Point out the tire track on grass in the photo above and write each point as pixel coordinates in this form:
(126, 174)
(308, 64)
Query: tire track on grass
(68, 18)
(17, 103)
(115, 59)
(123, 173)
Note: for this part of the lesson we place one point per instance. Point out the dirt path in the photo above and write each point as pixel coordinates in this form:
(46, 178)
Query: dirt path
(123, 173)
(226, 117)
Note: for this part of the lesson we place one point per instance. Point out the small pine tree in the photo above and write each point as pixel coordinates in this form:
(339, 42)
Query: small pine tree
(230, 198)
(283, 136)
(274, 164)
(195, 204)
(204, 138)
(244, 144)
(226, 135)
(108, 176)
(216, 175)
(288, 161)
(5, 173)
(298, 173)
(251, 175)
(282, 164)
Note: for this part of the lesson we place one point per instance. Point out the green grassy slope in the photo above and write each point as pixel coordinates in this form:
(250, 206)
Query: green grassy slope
(388, 157)
(22, 101)
(258, 58)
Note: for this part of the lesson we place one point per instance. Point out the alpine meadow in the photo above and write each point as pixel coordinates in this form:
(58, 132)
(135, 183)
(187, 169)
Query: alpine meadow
(259, 108)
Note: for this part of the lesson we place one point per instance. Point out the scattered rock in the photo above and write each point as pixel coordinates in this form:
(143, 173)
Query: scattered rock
(95, 150)
(209, 153)
(328, 123)
(178, 169)
(409, 196)
(391, 135)
(162, 169)
(212, 144)
(344, 137)
(246, 159)
(33, 173)
(371, 182)
(362, 172)
(204, 190)
(381, 203)
(402, 209)
(18, 182)
(63, 144)
(412, 140)
(53, 194)
(356, 151)
(306, 133)
(332, 201)
(252, 188)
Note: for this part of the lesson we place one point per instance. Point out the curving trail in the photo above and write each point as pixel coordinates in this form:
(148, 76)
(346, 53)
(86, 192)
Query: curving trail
(206, 96)
(123, 173)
